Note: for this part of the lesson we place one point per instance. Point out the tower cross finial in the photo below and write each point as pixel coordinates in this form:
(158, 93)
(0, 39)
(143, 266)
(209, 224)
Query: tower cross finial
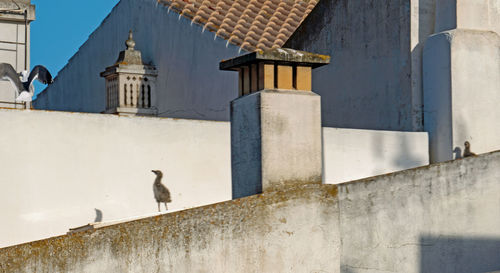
(130, 43)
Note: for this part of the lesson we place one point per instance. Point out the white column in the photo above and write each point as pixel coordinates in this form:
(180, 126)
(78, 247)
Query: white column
(275, 140)
(461, 79)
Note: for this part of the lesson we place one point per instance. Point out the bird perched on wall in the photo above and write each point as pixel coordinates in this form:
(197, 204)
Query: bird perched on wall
(467, 151)
(24, 88)
(162, 194)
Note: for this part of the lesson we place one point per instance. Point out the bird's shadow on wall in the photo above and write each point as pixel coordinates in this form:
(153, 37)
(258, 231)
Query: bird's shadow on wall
(457, 153)
(98, 216)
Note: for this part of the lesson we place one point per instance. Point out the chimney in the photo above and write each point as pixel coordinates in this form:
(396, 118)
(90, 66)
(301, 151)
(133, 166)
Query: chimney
(130, 84)
(275, 121)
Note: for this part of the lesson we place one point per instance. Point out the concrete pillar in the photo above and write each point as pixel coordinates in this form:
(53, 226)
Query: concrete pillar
(276, 129)
(461, 79)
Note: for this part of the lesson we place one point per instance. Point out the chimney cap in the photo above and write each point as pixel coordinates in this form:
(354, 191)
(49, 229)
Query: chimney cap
(276, 55)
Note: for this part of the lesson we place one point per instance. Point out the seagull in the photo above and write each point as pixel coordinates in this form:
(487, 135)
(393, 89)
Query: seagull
(7, 72)
(162, 194)
(23, 88)
(40, 73)
(467, 151)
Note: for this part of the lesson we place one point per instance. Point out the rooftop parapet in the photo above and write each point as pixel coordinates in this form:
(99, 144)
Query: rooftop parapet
(279, 68)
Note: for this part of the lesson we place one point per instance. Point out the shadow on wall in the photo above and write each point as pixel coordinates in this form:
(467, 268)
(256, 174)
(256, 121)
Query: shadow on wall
(457, 153)
(378, 151)
(455, 254)
(396, 152)
(98, 216)
(406, 155)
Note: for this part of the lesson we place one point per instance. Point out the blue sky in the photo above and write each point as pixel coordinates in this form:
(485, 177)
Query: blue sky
(61, 27)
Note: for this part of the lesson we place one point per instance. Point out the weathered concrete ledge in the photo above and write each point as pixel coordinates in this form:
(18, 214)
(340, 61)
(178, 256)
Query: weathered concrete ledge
(273, 231)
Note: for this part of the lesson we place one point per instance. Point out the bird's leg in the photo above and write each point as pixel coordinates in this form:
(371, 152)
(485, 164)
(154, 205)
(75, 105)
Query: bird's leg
(166, 208)
(159, 207)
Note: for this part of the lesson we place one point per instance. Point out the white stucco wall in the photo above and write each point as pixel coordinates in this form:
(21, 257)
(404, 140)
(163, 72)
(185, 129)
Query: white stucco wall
(189, 84)
(56, 167)
(351, 154)
(442, 218)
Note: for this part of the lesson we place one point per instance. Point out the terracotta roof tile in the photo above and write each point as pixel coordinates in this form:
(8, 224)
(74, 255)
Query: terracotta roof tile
(250, 24)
